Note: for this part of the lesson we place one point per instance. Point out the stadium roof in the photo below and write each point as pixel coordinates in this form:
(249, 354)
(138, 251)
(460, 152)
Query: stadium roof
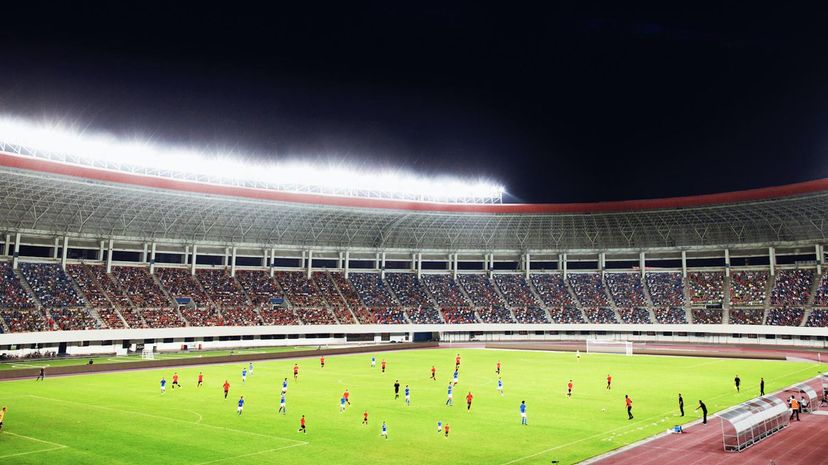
(42, 196)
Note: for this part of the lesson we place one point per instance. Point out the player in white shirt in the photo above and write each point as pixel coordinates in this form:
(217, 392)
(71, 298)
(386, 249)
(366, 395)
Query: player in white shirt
(500, 386)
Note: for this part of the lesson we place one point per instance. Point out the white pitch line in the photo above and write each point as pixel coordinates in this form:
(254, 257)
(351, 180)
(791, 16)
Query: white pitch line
(167, 418)
(303, 443)
(56, 446)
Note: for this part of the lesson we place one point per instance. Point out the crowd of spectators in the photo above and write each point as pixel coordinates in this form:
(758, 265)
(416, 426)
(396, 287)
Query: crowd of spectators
(818, 318)
(107, 283)
(786, 316)
(636, 315)
(707, 316)
(445, 291)
(162, 318)
(343, 315)
(327, 287)
(132, 317)
(408, 289)
(23, 320)
(792, 287)
(140, 287)
(70, 319)
(424, 315)
(670, 315)
(626, 289)
(515, 290)
(12, 293)
(202, 316)
(315, 316)
(552, 290)
(372, 290)
(589, 289)
(111, 317)
(600, 315)
(300, 291)
(821, 295)
(748, 287)
(240, 316)
(498, 314)
(706, 287)
(458, 315)
(480, 290)
(221, 288)
(746, 316)
(180, 283)
(278, 316)
(666, 289)
(346, 290)
(88, 284)
(380, 315)
(567, 315)
(258, 286)
(530, 315)
(51, 285)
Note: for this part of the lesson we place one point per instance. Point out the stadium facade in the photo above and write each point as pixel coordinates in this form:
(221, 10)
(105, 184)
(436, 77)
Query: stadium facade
(60, 212)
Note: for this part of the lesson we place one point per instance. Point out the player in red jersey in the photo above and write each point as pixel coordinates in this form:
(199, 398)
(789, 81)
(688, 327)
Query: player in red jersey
(347, 395)
(628, 401)
(302, 427)
(200, 379)
(175, 381)
(457, 362)
(433, 373)
(365, 418)
(569, 389)
(322, 361)
(609, 381)
(498, 367)
(382, 365)
(446, 429)
(226, 388)
(469, 398)
(295, 371)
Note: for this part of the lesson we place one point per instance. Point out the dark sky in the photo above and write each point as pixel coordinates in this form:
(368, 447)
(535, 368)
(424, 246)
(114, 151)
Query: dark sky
(558, 104)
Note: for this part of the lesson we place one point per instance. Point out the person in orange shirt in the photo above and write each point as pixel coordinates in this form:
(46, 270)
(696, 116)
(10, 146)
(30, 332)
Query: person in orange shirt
(457, 362)
(446, 429)
(794, 409)
(382, 365)
(200, 379)
(628, 401)
(365, 418)
(175, 381)
(347, 396)
(295, 371)
(302, 425)
(498, 367)
(569, 389)
(609, 381)
(322, 362)
(433, 373)
(469, 398)
(226, 388)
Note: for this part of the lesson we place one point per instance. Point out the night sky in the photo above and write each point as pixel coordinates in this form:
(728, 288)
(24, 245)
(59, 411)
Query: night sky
(557, 104)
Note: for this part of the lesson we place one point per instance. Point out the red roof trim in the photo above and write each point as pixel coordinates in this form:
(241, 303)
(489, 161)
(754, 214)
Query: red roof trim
(45, 166)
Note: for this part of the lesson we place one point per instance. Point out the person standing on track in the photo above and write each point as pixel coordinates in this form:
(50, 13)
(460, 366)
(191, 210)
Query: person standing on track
(628, 401)
(42, 375)
(704, 412)
(794, 409)
(761, 386)
(737, 381)
(681, 404)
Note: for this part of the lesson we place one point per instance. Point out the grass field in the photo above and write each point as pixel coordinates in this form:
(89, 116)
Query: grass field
(122, 417)
(58, 362)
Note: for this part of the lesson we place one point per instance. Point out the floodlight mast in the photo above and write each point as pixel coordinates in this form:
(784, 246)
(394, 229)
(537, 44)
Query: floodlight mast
(23, 139)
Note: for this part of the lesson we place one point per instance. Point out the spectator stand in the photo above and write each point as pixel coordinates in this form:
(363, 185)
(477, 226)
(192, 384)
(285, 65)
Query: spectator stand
(792, 287)
(746, 316)
(671, 315)
(821, 293)
(706, 287)
(625, 289)
(818, 318)
(707, 316)
(750, 422)
(748, 287)
(589, 289)
(785, 317)
(666, 289)
(552, 290)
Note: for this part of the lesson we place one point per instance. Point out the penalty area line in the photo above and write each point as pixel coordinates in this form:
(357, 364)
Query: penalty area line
(303, 443)
(55, 446)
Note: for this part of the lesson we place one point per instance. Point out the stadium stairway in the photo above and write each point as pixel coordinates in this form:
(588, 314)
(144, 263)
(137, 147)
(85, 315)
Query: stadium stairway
(726, 292)
(769, 285)
(814, 286)
(94, 314)
(648, 299)
(499, 293)
(28, 288)
(536, 296)
(164, 291)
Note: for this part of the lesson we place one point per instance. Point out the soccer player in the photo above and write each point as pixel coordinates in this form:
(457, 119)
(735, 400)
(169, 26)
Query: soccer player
(302, 425)
(322, 362)
(704, 411)
(681, 404)
(628, 401)
(365, 417)
(469, 398)
(577, 355)
(347, 396)
(42, 375)
(295, 371)
(226, 388)
(609, 381)
(446, 429)
(251, 369)
(500, 386)
(569, 389)
(737, 382)
(373, 361)
(762, 386)
(407, 395)
(244, 375)
(163, 385)
(382, 365)
(384, 431)
(241, 405)
(439, 426)
(497, 370)
(450, 400)
(341, 404)
(396, 389)
(282, 407)
(433, 373)
(457, 362)
(2, 416)
(175, 381)
(284, 386)
(200, 379)
(523, 413)
(456, 377)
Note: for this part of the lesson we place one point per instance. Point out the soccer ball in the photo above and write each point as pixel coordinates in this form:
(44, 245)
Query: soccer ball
(603, 409)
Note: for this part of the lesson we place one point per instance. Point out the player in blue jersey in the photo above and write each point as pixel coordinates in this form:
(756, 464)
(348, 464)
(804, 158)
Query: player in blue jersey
(284, 386)
(456, 376)
(342, 401)
(241, 405)
(407, 395)
(373, 361)
(163, 385)
(244, 375)
(500, 386)
(523, 412)
(384, 431)
(439, 426)
(282, 408)
(450, 400)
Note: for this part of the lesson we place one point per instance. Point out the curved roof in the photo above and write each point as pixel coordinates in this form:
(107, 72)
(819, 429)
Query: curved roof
(57, 198)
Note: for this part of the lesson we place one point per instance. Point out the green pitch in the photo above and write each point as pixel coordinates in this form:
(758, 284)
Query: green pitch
(123, 417)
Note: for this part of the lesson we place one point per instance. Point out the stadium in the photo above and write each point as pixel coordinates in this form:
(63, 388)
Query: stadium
(134, 270)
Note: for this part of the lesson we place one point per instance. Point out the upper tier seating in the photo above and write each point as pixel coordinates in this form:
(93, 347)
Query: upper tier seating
(480, 290)
(372, 291)
(180, 283)
(552, 290)
(589, 289)
(666, 289)
(88, 284)
(445, 290)
(258, 286)
(300, 291)
(140, 287)
(792, 287)
(706, 287)
(626, 289)
(408, 289)
(515, 290)
(821, 295)
(12, 293)
(748, 287)
(222, 289)
(51, 285)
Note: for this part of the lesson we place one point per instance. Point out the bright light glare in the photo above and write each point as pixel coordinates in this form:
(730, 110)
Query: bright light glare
(63, 139)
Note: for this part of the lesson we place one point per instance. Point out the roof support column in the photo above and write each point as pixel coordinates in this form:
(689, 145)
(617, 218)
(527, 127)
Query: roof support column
(377, 261)
(382, 265)
(490, 265)
(101, 251)
(820, 258)
(195, 260)
(454, 267)
(16, 256)
(7, 245)
(186, 257)
(64, 252)
(272, 262)
(225, 259)
(528, 259)
(563, 262)
(233, 262)
(642, 263)
(310, 264)
(152, 259)
(55, 248)
(339, 260)
(109, 256)
(264, 258)
(772, 260)
(413, 261)
(602, 262)
(347, 263)
(727, 262)
(419, 265)
(144, 253)
(683, 263)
